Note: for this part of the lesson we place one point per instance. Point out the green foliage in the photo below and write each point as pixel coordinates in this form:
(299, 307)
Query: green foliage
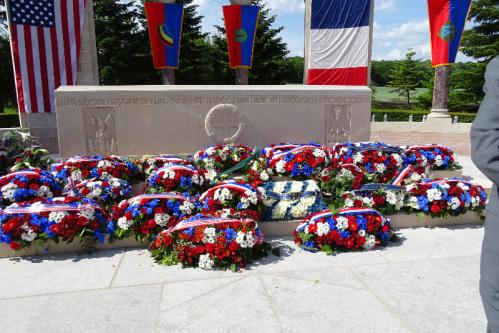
(123, 49)
(9, 120)
(406, 76)
(481, 41)
(417, 115)
(269, 64)
(195, 50)
(294, 71)
(7, 88)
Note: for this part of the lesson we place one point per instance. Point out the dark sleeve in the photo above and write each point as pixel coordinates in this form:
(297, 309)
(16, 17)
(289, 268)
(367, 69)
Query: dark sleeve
(485, 129)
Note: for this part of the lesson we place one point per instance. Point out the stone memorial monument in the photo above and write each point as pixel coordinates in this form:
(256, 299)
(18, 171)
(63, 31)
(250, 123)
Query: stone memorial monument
(137, 120)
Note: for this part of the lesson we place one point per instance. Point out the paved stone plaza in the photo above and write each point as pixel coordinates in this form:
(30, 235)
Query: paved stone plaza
(427, 282)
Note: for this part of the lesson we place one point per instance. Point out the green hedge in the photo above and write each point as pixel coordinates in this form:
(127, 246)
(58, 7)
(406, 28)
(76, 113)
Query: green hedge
(8, 120)
(417, 115)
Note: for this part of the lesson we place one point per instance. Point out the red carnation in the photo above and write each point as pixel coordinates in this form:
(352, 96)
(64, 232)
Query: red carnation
(233, 246)
(435, 208)
(15, 245)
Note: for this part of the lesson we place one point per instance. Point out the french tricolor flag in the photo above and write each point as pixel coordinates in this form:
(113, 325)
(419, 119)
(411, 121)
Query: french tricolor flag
(338, 52)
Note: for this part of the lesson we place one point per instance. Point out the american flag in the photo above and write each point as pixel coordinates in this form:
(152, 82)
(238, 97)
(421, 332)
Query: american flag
(45, 41)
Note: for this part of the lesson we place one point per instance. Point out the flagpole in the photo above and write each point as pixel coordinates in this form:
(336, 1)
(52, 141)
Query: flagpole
(439, 108)
(23, 118)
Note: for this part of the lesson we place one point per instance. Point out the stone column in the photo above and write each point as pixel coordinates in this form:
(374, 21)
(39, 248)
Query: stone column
(167, 74)
(439, 107)
(88, 69)
(242, 74)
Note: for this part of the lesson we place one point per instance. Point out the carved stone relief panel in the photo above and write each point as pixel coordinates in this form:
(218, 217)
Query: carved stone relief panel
(224, 123)
(100, 130)
(338, 123)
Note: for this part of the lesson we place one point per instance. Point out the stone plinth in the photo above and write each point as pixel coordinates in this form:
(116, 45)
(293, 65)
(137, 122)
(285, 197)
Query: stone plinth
(137, 120)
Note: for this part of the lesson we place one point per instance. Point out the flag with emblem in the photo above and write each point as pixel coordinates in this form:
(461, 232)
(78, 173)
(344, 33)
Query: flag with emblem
(45, 42)
(164, 22)
(240, 25)
(447, 21)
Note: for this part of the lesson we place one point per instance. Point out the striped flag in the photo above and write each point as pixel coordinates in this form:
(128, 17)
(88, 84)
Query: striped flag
(45, 41)
(338, 52)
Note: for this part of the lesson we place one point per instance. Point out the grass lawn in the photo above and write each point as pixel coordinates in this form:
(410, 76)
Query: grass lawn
(384, 94)
(9, 110)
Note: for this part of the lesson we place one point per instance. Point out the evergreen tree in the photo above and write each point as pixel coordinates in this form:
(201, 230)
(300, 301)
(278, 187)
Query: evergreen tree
(7, 88)
(122, 44)
(269, 54)
(406, 76)
(195, 65)
(3, 18)
(481, 41)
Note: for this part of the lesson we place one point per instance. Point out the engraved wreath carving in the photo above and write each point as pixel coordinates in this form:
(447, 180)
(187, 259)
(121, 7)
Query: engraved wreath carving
(222, 121)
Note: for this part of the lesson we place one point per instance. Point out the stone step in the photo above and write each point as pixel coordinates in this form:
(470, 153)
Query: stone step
(269, 229)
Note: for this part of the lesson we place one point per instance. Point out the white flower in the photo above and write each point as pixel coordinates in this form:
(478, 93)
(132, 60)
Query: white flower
(358, 158)
(398, 158)
(415, 177)
(57, 217)
(205, 262)
(322, 228)
(123, 223)
(196, 179)
(463, 186)
(369, 202)
(280, 166)
(161, 219)
(209, 235)
(413, 203)
(8, 191)
(348, 202)
(280, 210)
(299, 210)
(475, 201)
(345, 173)
(424, 161)
(455, 203)
(319, 153)
(342, 223)
(169, 174)
(88, 213)
(28, 234)
(362, 233)
(96, 192)
(186, 207)
(433, 194)
(380, 167)
(370, 242)
(391, 198)
(264, 176)
(438, 160)
(211, 174)
(76, 175)
(104, 164)
(245, 240)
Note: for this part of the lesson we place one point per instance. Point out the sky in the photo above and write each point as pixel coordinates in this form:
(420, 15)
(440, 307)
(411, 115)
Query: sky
(398, 26)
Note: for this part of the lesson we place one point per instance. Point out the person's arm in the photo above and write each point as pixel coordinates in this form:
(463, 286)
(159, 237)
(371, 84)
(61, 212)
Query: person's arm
(485, 129)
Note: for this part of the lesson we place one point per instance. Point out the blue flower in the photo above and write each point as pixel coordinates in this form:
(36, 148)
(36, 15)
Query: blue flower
(230, 234)
(423, 203)
(310, 246)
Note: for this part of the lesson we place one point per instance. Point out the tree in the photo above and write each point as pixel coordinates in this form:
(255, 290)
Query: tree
(481, 41)
(7, 88)
(123, 49)
(406, 76)
(269, 55)
(3, 18)
(195, 65)
(294, 69)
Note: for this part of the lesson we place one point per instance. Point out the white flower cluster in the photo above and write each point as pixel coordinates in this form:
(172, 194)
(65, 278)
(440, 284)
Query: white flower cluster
(398, 159)
(358, 158)
(249, 198)
(322, 228)
(342, 223)
(186, 207)
(433, 194)
(196, 179)
(8, 191)
(380, 167)
(345, 174)
(209, 235)
(57, 217)
(44, 191)
(223, 195)
(454, 203)
(245, 240)
(395, 199)
(104, 164)
(370, 242)
(161, 219)
(76, 176)
(28, 234)
(169, 174)
(280, 166)
(413, 203)
(205, 262)
(438, 160)
(88, 213)
(123, 223)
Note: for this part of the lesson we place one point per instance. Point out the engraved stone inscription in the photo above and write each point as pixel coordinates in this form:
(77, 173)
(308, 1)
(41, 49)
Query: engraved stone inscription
(224, 123)
(100, 130)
